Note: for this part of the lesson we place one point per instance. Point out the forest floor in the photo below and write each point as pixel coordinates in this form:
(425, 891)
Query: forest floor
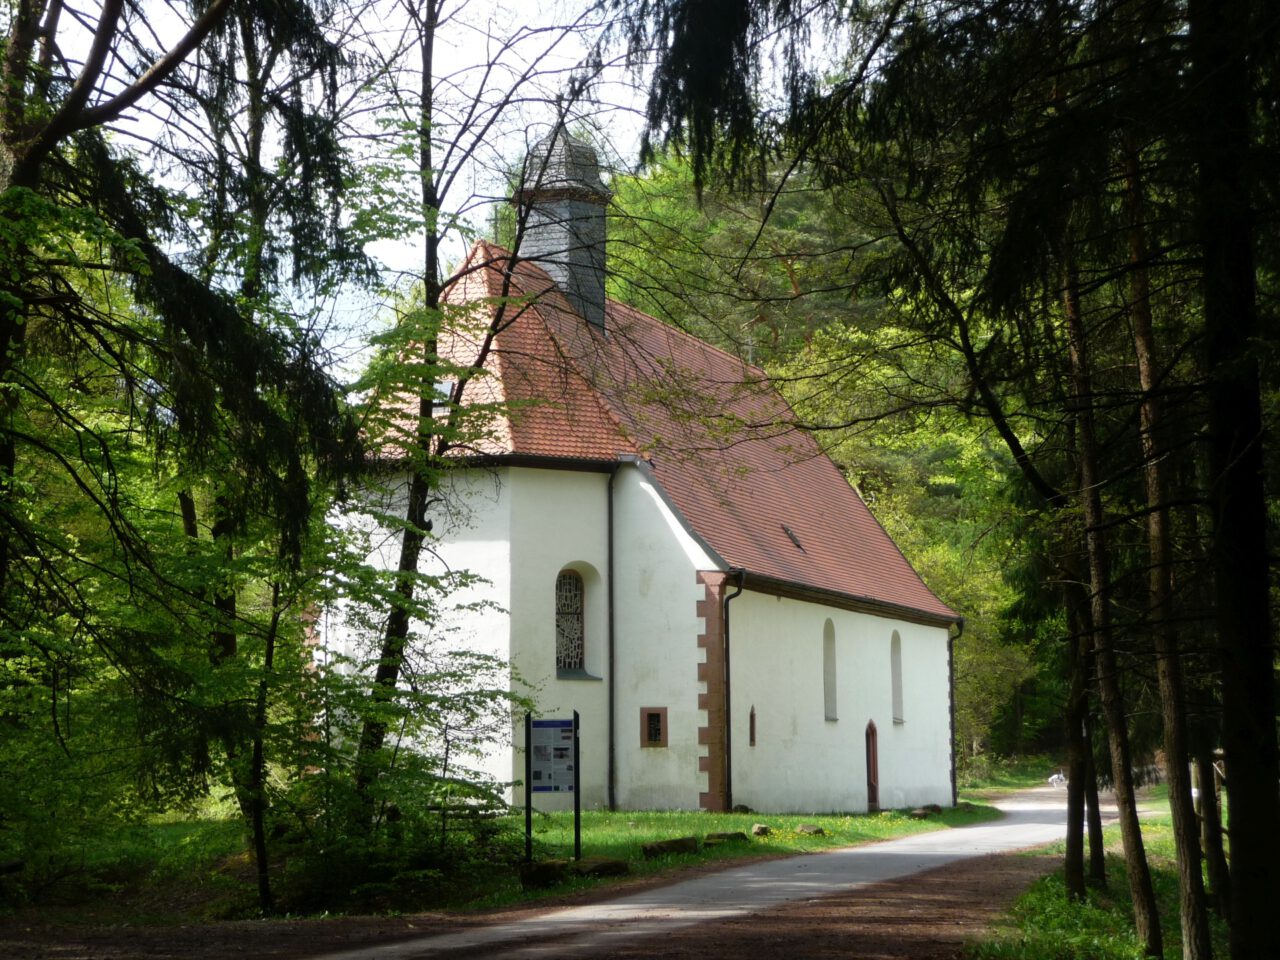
(928, 916)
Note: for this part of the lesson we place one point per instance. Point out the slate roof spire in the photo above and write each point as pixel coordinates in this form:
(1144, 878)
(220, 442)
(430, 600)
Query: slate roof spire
(564, 232)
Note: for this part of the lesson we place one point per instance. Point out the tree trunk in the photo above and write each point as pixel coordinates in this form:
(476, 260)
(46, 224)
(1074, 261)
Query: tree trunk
(1077, 704)
(395, 637)
(1097, 876)
(1211, 831)
(1146, 916)
(1192, 912)
(1219, 129)
(373, 734)
(258, 767)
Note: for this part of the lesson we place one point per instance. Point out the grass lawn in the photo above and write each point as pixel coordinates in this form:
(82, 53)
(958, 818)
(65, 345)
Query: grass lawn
(988, 776)
(620, 836)
(178, 870)
(1044, 926)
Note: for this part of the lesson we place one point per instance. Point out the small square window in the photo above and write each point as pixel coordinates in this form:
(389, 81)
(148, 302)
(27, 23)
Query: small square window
(653, 726)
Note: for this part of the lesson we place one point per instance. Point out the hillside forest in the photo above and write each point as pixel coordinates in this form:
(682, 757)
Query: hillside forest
(1013, 263)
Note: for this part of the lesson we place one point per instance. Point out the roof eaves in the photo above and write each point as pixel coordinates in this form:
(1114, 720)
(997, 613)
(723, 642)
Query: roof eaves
(541, 462)
(833, 598)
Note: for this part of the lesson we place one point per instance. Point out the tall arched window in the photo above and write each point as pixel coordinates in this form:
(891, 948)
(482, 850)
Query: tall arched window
(570, 632)
(895, 667)
(829, 669)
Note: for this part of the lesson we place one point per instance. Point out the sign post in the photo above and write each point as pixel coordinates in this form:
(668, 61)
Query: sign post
(577, 795)
(528, 793)
(551, 756)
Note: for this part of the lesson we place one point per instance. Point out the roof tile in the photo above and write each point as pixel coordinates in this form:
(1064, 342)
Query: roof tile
(716, 433)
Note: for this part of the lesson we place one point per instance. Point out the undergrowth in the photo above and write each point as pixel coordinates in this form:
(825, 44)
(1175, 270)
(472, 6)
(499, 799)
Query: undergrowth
(175, 869)
(1045, 926)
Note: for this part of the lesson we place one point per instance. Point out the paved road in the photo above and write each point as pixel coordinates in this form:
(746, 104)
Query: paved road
(1031, 818)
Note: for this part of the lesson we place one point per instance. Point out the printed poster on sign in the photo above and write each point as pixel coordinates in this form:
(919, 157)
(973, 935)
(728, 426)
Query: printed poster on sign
(552, 746)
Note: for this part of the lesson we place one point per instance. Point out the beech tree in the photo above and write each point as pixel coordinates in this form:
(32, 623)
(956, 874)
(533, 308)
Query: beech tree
(443, 124)
(117, 360)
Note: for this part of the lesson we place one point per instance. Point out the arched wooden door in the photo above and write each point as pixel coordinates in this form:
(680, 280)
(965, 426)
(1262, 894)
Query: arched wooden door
(873, 769)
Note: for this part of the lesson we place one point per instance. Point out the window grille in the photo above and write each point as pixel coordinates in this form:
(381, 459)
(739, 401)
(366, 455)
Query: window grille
(653, 726)
(570, 639)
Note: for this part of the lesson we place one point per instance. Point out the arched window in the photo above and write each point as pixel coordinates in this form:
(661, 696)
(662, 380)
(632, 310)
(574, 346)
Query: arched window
(895, 668)
(570, 633)
(829, 669)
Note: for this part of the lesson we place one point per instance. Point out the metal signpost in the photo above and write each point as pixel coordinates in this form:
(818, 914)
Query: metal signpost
(551, 754)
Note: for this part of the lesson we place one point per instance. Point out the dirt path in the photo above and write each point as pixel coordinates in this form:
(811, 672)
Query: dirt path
(921, 897)
(929, 916)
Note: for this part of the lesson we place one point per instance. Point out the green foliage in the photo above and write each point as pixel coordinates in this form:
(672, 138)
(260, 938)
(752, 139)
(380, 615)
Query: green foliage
(941, 486)
(424, 855)
(990, 771)
(1045, 925)
(756, 274)
(1053, 928)
(170, 453)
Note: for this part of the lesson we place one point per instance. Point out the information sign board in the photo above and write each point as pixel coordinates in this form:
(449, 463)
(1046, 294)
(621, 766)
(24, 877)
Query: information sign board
(551, 752)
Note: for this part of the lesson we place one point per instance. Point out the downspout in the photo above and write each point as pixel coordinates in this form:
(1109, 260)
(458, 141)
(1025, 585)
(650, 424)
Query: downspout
(728, 713)
(612, 763)
(951, 682)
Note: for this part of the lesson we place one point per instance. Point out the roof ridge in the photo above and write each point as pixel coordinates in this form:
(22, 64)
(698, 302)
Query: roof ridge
(734, 358)
(500, 253)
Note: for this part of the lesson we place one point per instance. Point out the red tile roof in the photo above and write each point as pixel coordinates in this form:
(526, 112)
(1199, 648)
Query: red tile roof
(715, 433)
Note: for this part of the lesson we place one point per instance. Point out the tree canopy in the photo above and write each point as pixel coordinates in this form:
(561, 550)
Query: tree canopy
(1069, 207)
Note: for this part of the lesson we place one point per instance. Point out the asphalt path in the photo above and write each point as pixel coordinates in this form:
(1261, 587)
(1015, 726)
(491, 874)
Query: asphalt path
(1030, 819)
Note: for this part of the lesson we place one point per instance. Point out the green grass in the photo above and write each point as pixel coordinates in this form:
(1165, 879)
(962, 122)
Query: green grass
(620, 836)
(994, 774)
(1044, 926)
(151, 871)
(1153, 799)
(176, 870)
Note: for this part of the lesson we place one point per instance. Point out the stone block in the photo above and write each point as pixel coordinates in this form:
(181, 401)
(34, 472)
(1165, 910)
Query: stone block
(660, 848)
(542, 874)
(600, 867)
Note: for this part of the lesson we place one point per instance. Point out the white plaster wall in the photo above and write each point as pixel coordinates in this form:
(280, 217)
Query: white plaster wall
(806, 763)
(558, 522)
(472, 534)
(657, 653)
(519, 527)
